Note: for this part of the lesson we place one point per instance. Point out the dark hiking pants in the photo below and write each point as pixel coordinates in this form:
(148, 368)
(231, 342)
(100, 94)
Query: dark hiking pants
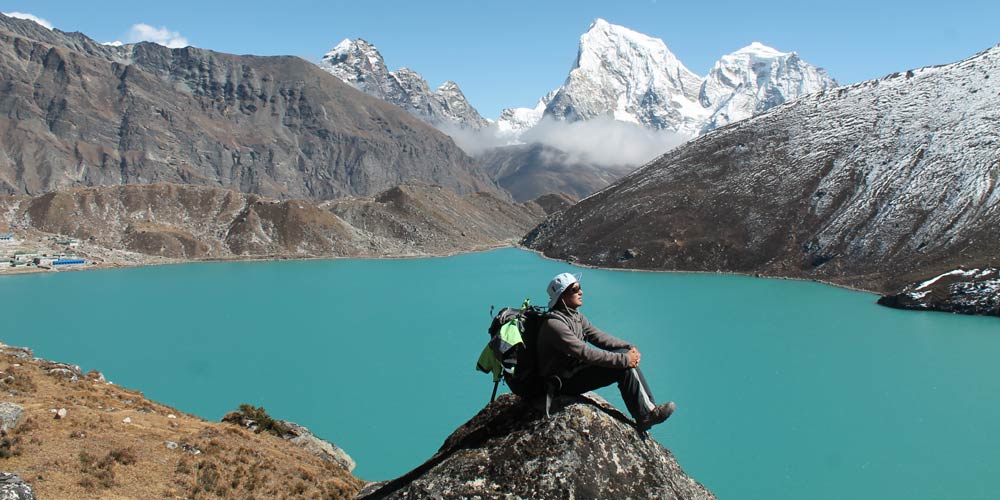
(635, 391)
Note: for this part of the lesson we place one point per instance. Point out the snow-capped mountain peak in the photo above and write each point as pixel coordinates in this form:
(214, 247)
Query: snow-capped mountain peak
(360, 64)
(631, 77)
(515, 121)
(761, 50)
(609, 43)
(756, 78)
(619, 73)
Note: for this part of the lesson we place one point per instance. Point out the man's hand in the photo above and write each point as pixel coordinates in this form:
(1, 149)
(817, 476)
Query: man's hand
(633, 357)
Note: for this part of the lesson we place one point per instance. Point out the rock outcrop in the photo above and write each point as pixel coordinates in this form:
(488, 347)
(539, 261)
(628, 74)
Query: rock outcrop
(77, 113)
(966, 291)
(12, 487)
(10, 414)
(305, 439)
(247, 416)
(586, 449)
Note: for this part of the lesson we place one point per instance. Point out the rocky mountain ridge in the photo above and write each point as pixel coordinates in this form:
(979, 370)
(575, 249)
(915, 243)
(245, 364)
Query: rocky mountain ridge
(360, 64)
(754, 79)
(873, 185)
(635, 78)
(618, 73)
(631, 77)
(76, 113)
(528, 171)
(190, 222)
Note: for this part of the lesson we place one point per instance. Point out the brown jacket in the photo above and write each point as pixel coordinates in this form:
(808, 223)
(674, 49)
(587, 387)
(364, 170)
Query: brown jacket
(563, 349)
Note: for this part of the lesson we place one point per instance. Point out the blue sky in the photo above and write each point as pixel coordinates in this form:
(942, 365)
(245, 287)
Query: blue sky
(510, 53)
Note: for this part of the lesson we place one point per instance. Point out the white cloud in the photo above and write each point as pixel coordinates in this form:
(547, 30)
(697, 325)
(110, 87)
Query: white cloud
(145, 33)
(604, 141)
(601, 141)
(474, 142)
(30, 17)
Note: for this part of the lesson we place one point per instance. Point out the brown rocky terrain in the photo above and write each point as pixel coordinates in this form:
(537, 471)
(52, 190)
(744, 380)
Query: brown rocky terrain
(70, 435)
(963, 291)
(532, 170)
(77, 113)
(190, 223)
(555, 202)
(876, 186)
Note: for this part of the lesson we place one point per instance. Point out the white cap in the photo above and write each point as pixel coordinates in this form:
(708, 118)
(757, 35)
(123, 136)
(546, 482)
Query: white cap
(559, 284)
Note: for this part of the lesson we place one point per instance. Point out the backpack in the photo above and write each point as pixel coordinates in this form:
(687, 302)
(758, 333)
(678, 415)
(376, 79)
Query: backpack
(511, 353)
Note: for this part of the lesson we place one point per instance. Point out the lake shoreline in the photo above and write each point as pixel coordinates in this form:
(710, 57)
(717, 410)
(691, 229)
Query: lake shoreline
(111, 260)
(721, 273)
(141, 260)
(163, 261)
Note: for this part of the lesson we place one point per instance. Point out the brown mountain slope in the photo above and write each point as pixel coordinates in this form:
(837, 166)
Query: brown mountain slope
(188, 222)
(433, 220)
(532, 170)
(77, 113)
(113, 443)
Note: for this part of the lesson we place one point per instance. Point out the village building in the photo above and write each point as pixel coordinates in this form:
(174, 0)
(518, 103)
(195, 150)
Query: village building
(25, 256)
(68, 262)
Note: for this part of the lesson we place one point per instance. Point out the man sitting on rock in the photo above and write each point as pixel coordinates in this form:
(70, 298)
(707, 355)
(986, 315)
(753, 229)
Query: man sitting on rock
(563, 351)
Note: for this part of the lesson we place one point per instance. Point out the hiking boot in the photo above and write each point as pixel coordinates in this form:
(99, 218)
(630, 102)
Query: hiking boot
(655, 416)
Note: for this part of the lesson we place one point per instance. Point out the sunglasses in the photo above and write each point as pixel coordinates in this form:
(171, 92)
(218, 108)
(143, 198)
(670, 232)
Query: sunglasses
(574, 289)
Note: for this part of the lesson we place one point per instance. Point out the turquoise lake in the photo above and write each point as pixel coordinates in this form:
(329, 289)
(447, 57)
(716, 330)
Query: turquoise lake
(785, 389)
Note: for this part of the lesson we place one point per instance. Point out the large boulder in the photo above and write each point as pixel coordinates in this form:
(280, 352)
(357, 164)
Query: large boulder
(12, 487)
(586, 449)
(17, 352)
(10, 416)
(257, 420)
(321, 448)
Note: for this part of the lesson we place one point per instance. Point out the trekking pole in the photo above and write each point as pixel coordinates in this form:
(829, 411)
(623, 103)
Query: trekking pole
(493, 396)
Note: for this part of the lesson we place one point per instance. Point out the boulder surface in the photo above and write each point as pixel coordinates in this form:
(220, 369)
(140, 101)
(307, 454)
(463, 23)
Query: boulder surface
(12, 487)
(585, 449)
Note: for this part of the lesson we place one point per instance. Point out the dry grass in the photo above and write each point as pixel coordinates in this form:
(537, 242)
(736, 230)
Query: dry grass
(92, 453)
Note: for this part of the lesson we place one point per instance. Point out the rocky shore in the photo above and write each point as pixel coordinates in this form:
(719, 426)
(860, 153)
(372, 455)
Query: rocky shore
(964, 291)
